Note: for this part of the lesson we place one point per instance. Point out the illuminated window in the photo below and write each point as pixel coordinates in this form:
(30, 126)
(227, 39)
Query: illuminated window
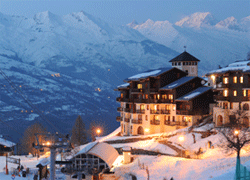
(147, 107)
(139, 86)
(146, 96)
(235, 93)
(244, 93)
(142, 107)
(158, 96)
(225, 80)
(173, 108)
(164, 96)
(155, 107)
(231, 105)
(156, 117)
(121, 95)
(167, 107)
(241, 79)
(235, 79)
(170, 96)
(225, 93)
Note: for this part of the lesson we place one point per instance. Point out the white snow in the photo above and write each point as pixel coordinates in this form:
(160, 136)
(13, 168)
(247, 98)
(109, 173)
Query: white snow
(191, 95)
(7, 143)
(146, 74)
(173, 85)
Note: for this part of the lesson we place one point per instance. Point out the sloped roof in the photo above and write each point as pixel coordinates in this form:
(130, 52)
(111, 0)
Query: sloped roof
(178, 83)
(185, 56)
(123, 86)
(194, 94)
(236, 66)
(6, 143)
(102, 150)
(149, 73)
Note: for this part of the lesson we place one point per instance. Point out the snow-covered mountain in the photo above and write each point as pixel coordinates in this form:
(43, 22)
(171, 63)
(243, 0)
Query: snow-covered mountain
(213, 42)
(69, 65)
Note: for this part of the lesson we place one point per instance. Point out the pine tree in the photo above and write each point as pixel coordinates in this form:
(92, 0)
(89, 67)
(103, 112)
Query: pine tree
(79, 135)
(29, 138)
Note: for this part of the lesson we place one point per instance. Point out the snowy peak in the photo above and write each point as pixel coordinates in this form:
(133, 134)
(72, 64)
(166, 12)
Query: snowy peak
(245, 23)
(197, 20)
(132, 24)
(230, 23)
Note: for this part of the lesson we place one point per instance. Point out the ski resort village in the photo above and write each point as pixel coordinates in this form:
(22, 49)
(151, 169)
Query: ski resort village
(83, 99)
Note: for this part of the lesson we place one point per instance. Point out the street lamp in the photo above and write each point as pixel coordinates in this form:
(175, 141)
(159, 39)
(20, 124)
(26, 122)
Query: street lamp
(98, 132)
(181, 139)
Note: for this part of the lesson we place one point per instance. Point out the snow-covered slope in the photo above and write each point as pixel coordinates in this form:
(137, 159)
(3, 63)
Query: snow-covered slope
(213, 42)
(69, 65)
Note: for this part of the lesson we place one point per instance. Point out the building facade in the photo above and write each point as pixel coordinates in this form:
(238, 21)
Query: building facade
(232, 86)
(164, 99)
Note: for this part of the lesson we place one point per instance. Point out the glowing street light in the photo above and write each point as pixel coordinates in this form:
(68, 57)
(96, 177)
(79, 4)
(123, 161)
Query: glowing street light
(98, 131)
(236, 132)
(48, 143)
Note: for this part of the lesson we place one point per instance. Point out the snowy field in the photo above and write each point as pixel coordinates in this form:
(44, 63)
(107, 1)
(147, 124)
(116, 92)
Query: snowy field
(212, 164)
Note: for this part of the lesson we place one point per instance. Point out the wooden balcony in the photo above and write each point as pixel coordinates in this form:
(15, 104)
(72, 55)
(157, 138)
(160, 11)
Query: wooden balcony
(140, 111)
(184, 112)
(165, 111)
(119, 109)
(126, 119)
(137, 91)
(222, 98)
(153, 111)
(161, 100)
(137, 121)
(118, 118)
(154, 122)
(245, 98)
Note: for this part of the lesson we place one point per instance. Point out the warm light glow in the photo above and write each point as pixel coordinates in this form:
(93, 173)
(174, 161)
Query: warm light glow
(241, 79)
(225, 80)
(213, 78)
(48, 143)
(236, 132)
(181, 138)
(225, 93)
(235, 93)
(235, 79)
(146, 130)
(98, 131)
(244, 93)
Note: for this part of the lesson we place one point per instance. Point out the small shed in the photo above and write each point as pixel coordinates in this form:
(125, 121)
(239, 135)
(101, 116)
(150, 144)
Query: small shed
(43, 170)
(95, 155)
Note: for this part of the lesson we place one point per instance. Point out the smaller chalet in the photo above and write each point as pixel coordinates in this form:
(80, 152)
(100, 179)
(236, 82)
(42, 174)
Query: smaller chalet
(6, 147)
(164, 99)
(232, 87)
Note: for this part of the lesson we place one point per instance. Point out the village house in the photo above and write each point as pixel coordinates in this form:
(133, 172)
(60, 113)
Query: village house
(6, 147)
(164, 99)
(232, 86)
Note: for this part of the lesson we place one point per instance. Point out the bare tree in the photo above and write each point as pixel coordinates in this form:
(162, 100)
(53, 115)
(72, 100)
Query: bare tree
(29, 138)
(79, 135)
(236, 132)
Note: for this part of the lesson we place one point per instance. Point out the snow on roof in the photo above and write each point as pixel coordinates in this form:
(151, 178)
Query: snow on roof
(6, 143)
(177, 83)
(194, 93)
(236, 66)
(123, 85)
(149, 73)
(43, 162)
(102, 150)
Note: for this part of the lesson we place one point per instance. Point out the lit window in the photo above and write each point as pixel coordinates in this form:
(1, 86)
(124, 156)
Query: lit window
(244, 93)
(170, 96)
(167, 107)
(235, 93)
(235, 79)
(155, 107)
(158, 96)
(121, 95)
(146, 96)
(139, 86)
(164, 96)
(225, 80)
(173, 108)
(225, 93)
(241, 79)
(156, 117)
(142, 107)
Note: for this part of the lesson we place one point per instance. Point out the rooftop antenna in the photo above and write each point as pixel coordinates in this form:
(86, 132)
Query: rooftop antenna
(185, 47)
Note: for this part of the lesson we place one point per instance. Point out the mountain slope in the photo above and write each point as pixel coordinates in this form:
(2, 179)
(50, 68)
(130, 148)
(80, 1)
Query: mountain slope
(69, 66)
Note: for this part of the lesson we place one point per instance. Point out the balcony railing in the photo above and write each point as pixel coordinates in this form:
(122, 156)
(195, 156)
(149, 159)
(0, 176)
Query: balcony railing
(140, 111)
(185, 112)
(137, 90)
(126, 119)
(119, 109)
(222, 98)
(137, 121)
(153, 111)
(165, 111)
(118, 118)
(155, 122)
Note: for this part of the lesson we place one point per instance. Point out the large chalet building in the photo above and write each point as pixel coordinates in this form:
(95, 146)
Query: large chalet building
(164, 99)
(232, 85)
